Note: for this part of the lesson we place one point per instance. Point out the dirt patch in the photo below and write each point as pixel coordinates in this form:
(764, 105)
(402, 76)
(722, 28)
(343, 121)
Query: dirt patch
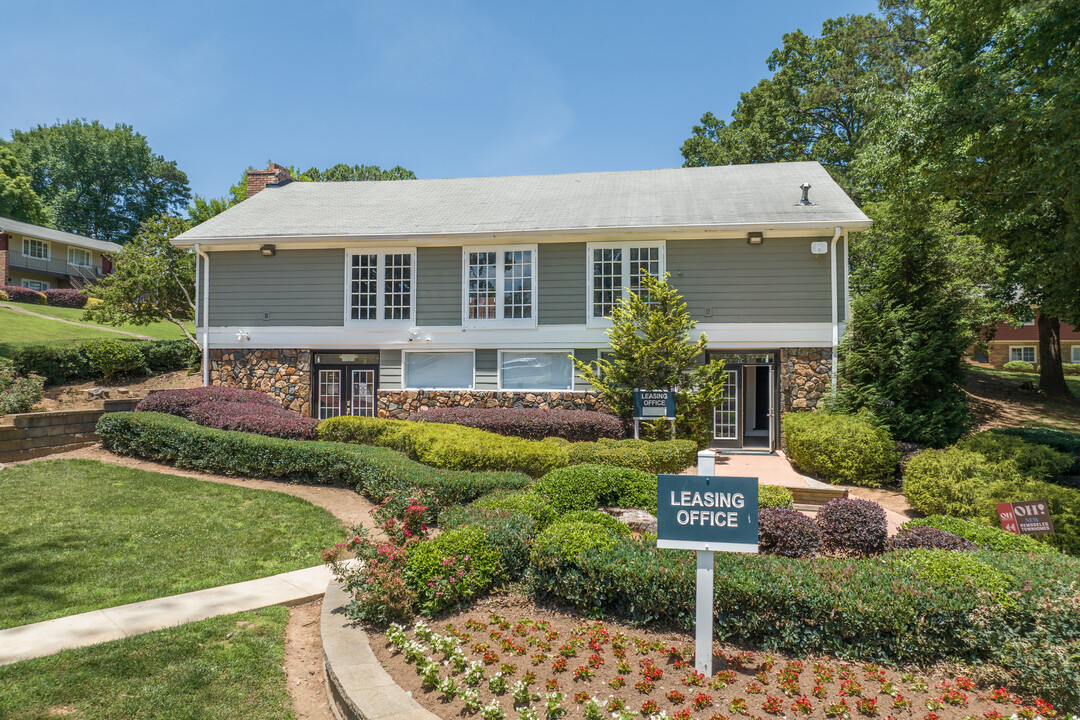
(304, 663)
(348, 506)
(608, 669)
(1004, 402)
(74, 397)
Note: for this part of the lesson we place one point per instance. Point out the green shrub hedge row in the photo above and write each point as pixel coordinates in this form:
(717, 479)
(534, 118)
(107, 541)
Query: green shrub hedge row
(459, 448)
(900, 608)
(1034, 460)
(102, 358)
(375, 472)
(985, 536)
(842, 449)
(587, 487)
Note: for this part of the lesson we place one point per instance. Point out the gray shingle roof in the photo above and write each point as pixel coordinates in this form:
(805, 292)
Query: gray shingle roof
(43, 233)
(764, 195)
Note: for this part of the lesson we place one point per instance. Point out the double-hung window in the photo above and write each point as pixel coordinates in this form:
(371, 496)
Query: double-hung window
(79, 257)
(37, 249)
(615, 269)
(499, 287)
(379, 286)
(1022, 352)
(1076, 354)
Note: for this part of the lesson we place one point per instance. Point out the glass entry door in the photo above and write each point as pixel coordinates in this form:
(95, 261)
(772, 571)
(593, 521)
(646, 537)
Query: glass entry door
(346, 390)
(726, 416)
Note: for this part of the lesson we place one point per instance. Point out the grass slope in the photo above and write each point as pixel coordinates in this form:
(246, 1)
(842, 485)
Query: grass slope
(998, 400)
(79, 535)
(17, 327)
(226, 667)
(161, 330)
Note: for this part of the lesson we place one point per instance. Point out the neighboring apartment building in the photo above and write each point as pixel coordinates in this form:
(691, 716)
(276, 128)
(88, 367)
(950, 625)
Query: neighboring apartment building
(388, 297)
(41, 258)
(1022, 343)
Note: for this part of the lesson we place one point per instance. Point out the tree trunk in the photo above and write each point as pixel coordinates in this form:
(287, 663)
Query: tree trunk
(1051, 374)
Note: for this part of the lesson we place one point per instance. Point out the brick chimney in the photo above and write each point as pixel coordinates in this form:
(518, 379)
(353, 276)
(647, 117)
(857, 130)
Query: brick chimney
(259, 180)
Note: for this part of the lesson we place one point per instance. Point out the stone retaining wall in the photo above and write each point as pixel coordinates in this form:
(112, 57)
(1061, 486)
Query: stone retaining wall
(283, 374)
(400, 403)
(34, 435)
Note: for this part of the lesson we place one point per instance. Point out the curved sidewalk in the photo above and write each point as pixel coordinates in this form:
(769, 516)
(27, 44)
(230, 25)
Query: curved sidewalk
(51, 636)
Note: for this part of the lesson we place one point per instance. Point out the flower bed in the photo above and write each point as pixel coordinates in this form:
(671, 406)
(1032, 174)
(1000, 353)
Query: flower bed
(530, 423)
(514, 660)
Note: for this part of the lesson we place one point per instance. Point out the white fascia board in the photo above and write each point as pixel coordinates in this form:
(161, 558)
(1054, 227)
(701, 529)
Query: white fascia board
(803, 228)
(721, 336)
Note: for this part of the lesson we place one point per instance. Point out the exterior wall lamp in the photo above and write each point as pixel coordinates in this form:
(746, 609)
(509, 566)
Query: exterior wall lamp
(268, 250)
(755, 238)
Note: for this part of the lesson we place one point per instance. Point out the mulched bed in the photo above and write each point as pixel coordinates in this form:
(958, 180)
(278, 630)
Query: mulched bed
(507, 658)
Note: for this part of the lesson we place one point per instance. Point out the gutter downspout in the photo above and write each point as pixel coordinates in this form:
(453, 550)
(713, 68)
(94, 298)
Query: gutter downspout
(205, 312)
(835, 319)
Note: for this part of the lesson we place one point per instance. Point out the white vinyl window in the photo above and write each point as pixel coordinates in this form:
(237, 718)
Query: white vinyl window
(1076, 353)
(1022, 352)
(379, 286)
(38, 285)
(499, 287)
(37, 249)
(439, 370)
(615, 269)
(79, 257)
(525, 370)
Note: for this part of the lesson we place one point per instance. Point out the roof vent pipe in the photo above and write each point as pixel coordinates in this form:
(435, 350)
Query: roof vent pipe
(805, 194)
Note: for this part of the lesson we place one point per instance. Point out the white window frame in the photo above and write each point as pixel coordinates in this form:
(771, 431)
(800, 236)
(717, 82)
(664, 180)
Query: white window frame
(89, 257)
(43, 285)
(380, 297)
(498, 321)
(625, 246)
(1075, 356)
(405, 369)
(1034, 350)
(28, 242)
(573, 370)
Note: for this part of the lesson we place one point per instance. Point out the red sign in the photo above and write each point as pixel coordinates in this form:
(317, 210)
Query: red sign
(1026, 518)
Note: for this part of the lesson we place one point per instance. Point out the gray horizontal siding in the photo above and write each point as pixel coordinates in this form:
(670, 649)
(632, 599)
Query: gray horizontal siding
(487, 369)
(562, 284)
(438, 286)
(776, 282)
(297, 287)
(389, 369)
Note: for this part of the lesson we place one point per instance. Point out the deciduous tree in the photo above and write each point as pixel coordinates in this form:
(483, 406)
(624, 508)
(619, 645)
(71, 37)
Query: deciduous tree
(18, 200)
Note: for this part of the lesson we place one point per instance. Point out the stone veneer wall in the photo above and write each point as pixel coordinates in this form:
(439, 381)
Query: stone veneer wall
(804, 377)
(400, 403)
(283, 374)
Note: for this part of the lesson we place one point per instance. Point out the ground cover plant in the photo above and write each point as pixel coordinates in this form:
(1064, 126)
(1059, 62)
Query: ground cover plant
(80, 535)
(512, 659)
(530, 423)
(228, 667)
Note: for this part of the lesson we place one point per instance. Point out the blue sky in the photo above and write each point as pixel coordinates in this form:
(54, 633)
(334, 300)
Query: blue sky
(446, 89)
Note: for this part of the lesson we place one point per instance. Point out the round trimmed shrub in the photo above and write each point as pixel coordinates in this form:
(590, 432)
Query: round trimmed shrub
(451, 569)
(920, 537)
(1035, 461)
(596, 518)
(987, 537)
(1019, 366)
(787, 532)
(852, 527)
(526, 502)
(953, 481)
(66, 297)
(587, 487)
(842, 449)
(774, 496)
(570, 539)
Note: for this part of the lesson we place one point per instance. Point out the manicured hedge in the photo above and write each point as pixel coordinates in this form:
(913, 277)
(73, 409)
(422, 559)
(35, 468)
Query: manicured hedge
(376, 472)
(16, 293)
(63, 363)
(920, 537)
(530, 423)
(987, 537)
(1033, 460)
(1018, 366)
(179, 402)
(842, 449)
(254, 418)
(655, 456)
(66, 297)
(879, 609)
(587, 487)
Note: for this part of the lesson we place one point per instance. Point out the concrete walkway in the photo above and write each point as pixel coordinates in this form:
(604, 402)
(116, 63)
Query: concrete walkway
(77, 324)
(89, 628)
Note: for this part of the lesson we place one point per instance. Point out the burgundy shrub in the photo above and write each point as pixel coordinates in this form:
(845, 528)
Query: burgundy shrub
(853, 527)
(66, 297)
(178, 402)
(20, 294)
(530, 423)
(928, 538)
(787, 532)
(253, 418)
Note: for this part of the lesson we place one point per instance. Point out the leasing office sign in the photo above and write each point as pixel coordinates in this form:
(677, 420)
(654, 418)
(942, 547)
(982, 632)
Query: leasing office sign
(703, 512)
(654, 405)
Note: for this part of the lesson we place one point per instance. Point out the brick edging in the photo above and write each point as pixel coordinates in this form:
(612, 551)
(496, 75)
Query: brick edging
(360, 688)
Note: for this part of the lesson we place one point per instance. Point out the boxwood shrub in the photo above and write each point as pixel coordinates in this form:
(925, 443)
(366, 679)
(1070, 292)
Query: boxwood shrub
(987, 537)
(842, 449)
(1033, 460)
(587, 487)
(1019, 366)
(568, 540)
(530, 423)
(1060, 440)
(774, 496)
(375, 472)
(526, 502)
(594, 517)
(655, 456)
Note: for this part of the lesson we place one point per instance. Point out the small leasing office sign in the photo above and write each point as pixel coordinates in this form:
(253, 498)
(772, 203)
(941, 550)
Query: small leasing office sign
(704, 512)
(654, 405)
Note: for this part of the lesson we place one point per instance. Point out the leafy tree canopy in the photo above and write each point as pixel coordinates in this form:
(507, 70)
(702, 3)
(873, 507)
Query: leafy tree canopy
(18, 200)
(98, 181)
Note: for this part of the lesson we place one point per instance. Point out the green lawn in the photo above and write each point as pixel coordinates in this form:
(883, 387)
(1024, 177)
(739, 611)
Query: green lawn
(17, 327)
(78, 535)
(161, 330)
(998, 399)
(1017, 378)
(222, 668)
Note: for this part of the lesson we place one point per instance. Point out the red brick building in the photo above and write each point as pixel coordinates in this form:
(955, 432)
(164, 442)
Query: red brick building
(1022, 343)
